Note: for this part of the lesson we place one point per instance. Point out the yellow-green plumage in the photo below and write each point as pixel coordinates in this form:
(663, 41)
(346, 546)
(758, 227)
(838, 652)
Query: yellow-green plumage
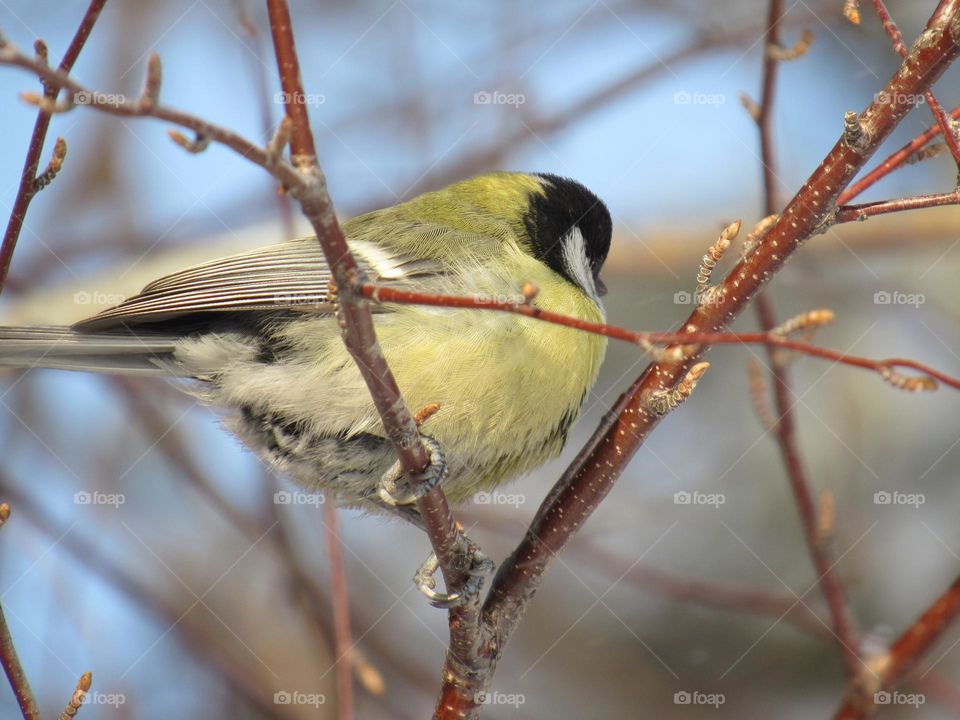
(509, 387)
(257, 331)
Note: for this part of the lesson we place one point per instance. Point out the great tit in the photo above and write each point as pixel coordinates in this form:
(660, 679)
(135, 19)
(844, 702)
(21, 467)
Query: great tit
(256, 334)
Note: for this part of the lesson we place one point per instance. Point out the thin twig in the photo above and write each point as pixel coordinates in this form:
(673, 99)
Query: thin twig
(79, 695)
(851, 213)
(894, 161)
(784, 428)
(343, 638)
(771, 338)
(11, 661)
(629, 422)
(943, 121)
(29, 186)
(903, 655)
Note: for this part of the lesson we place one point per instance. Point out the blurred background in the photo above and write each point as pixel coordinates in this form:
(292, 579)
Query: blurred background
(147, 546)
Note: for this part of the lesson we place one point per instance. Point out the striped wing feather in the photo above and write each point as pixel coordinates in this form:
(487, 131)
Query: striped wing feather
(288, 276)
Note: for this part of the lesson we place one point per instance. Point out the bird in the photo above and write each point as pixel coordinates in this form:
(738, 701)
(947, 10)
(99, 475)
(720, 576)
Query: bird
(256, 336)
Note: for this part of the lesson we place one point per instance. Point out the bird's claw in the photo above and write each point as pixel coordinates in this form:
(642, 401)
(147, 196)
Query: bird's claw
(395, 489)
(471, 561)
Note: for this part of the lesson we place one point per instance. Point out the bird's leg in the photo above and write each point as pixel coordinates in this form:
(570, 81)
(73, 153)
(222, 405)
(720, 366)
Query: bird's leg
(468, 559)
(389, 490)
(466, 554)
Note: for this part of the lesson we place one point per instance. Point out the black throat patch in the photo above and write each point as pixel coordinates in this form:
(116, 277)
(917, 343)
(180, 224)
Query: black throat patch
(565, 204)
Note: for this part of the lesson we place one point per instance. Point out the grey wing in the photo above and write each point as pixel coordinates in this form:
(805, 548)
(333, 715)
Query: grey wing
(290, 276)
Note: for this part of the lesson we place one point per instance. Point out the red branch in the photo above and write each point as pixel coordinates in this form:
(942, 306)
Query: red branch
(343, 639)
(785, 427)
(302, 150)
(849, 213)
(356, 323)
(28, 186)
(904, 654)
(894, 161)
(624, 429)
(381, 294)
(943, 122)
(14, 670)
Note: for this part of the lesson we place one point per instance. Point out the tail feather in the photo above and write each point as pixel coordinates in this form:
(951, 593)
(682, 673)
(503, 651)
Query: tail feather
(108, 352)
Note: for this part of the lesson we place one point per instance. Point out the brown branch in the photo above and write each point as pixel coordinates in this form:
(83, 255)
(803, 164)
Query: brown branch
(354, 314)
(79, 695)
(623, 430)
(773, 338)
(302, 150)
(11, 661)
(784, 429)
(343, 639)
(88, 556)
(903, 656)
(306, 184)
(850, 213)
(896, 160)
(30, 184)
(943, 121)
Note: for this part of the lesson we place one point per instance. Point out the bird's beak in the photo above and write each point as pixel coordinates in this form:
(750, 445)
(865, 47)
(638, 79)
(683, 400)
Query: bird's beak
(601, 288)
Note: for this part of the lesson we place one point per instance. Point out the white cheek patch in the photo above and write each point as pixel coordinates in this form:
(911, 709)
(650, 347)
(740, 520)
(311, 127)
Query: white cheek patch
(576, 262)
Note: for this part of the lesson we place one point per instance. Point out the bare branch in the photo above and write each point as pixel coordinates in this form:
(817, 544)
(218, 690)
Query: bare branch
(30, 185)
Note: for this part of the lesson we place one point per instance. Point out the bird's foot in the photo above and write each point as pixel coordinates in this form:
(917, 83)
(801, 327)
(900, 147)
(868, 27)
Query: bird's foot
(396, 489)
(469, 560)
